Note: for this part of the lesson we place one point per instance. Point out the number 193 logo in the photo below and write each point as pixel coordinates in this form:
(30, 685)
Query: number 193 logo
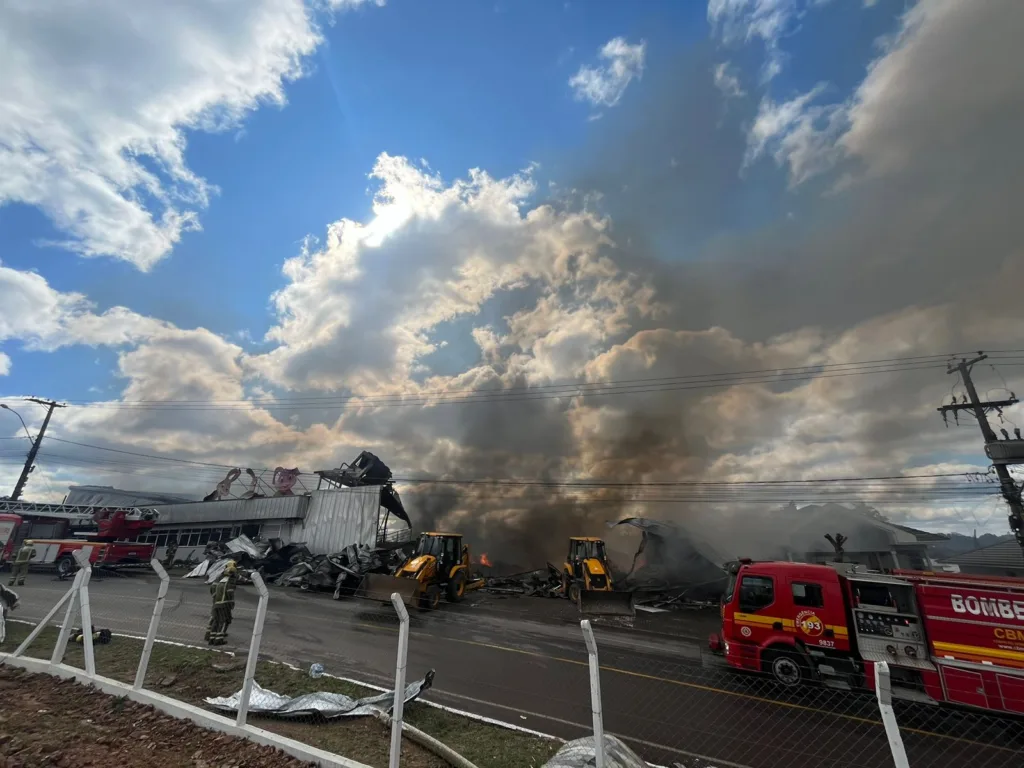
(809, 623)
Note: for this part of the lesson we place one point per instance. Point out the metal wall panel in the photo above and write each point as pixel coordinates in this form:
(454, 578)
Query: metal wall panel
(234, 510)
(338, 518)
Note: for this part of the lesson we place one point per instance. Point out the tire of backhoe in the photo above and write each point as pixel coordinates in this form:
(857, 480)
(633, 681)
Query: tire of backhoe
(574, 593)
(457, 587)
(431, 598)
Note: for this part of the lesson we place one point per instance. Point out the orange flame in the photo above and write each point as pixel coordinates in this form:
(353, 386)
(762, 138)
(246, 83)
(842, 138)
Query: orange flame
(484, 560)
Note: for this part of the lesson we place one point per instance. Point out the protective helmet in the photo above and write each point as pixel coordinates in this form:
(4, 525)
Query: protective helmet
(29, 542)
(230, 567)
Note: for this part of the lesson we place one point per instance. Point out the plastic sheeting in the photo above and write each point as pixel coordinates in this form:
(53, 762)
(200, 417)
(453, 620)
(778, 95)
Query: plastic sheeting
(328, 705)
(581, 753)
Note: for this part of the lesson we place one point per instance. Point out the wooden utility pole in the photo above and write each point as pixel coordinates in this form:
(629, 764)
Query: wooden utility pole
(29, 466)
(1001, 452)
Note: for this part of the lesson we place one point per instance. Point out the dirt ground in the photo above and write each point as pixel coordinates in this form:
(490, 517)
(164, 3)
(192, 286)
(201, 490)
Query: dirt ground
(191, 675)
(50, 722)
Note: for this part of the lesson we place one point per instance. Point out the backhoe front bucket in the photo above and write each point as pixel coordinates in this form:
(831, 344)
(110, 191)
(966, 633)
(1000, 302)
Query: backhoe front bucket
(380, 587)
(598, 603)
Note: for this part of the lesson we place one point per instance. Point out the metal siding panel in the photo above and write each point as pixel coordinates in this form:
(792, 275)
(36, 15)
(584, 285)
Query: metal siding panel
(337, 518)
(234, 510)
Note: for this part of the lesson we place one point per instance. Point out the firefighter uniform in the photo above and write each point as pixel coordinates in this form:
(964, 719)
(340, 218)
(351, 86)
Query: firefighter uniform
(223, 593)
(8, 602)
(20, 566)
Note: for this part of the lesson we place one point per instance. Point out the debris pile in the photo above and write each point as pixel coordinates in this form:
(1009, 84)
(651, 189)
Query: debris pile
(543, 582)
(267, 556)
(343, 571)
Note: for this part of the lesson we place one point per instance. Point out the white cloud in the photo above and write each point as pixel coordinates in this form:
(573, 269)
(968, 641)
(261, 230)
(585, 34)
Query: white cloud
(42, 318)
(799, 134)
(727, 80)
(742, 21)
(446, 251)
(96, 100)
(604, 84)
(5, 364)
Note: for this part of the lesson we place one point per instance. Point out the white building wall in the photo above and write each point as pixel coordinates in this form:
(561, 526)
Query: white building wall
(337, 518)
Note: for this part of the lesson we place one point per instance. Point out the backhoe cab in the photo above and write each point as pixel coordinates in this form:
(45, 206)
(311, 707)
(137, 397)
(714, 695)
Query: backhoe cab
(439, 566)
(587, 580)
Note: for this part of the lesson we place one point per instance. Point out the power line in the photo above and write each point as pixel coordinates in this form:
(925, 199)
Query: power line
(545, 392)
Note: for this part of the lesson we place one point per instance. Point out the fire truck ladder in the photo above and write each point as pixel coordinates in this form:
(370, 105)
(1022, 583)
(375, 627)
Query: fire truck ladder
(74, 512)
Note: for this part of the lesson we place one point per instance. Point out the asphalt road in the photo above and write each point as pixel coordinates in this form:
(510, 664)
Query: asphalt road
(660, 691)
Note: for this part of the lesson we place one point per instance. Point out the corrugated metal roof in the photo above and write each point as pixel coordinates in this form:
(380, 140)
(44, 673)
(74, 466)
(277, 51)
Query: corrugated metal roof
(234, 510)
(101, 495)
(1005, 554)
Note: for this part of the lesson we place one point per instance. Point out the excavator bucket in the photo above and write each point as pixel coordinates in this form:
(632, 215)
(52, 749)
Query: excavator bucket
(380, 587)
(598, 603)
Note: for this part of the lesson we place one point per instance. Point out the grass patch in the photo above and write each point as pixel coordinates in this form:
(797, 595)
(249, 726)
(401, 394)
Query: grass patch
(192, 675)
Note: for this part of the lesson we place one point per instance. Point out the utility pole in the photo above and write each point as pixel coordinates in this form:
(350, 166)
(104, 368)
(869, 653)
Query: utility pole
(29, 466)
(1001, 452)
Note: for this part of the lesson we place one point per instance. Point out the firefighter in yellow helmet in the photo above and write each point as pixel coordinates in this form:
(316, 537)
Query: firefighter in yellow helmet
(223, 593)
(20, 566)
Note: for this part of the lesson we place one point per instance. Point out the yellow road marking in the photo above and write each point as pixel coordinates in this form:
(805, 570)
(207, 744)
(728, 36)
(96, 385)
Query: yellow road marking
(696, 686)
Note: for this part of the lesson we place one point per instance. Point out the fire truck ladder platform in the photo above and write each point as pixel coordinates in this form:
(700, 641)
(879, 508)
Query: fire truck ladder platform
(75, 512)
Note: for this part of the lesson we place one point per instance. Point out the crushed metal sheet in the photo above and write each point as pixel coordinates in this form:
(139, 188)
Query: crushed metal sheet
(328, 705)
(581, 753)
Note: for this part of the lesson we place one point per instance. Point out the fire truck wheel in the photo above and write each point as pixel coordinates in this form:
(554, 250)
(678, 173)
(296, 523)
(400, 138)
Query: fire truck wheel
(787, 668)
(65, 567)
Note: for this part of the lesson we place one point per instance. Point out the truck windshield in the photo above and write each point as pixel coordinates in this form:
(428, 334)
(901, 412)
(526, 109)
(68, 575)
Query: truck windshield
(430, 545)
(587, 550)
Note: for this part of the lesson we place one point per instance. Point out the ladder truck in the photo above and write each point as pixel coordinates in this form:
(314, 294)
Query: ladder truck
(57, 531)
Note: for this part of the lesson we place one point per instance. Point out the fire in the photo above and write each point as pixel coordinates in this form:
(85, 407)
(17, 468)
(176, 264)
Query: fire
(484, 560)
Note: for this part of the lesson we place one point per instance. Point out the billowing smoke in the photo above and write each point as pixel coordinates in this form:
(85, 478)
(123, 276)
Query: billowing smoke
(858, 231)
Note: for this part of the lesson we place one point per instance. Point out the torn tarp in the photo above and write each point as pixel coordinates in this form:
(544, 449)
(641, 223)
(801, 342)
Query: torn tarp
(581, 753)
(327, 705)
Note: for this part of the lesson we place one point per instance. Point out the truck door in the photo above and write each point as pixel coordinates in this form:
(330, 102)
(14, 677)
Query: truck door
(820, 614)
(754, 618)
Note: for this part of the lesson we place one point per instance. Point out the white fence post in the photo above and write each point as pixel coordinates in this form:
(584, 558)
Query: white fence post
(147, 649)
(85, 611)
(595, 692)
(400, 664)
(883, 690)
(61, 646)
(71, 594)
(254, 648)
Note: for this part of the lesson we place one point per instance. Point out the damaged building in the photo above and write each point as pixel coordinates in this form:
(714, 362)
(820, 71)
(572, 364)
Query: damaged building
(354, 504)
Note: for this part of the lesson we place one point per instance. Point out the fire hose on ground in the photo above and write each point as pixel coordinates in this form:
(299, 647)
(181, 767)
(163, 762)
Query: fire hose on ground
(427, 742)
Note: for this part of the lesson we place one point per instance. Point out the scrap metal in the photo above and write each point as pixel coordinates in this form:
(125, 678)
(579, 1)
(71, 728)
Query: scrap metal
(327, 705)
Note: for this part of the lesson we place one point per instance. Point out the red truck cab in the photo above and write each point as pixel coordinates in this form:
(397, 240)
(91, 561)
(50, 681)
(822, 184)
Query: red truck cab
(776, 615)
(947, 638)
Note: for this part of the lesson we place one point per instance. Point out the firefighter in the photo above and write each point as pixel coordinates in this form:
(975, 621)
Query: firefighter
(172, 550)
(223, 593)
(20, 566)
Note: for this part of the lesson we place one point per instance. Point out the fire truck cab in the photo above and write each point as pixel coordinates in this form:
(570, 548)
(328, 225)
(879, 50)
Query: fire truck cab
(947, 638)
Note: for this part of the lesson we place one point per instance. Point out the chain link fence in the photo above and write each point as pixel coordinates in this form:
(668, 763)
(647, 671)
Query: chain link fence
(321, 668)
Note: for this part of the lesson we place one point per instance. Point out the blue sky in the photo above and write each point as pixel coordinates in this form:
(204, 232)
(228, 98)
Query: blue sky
(741, 151)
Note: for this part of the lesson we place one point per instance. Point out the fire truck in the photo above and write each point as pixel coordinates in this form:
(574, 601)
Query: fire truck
(948, 638)
(58, 530)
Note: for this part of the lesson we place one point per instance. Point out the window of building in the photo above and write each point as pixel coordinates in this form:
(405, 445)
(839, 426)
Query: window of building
(808, 595)
(756, 592)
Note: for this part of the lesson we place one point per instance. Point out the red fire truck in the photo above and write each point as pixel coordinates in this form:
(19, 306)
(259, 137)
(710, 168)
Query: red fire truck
(58, 530)
(948, 638)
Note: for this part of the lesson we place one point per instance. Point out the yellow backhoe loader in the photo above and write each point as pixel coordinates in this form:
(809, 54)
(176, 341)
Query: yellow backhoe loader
(438, 567)
(587, 580)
